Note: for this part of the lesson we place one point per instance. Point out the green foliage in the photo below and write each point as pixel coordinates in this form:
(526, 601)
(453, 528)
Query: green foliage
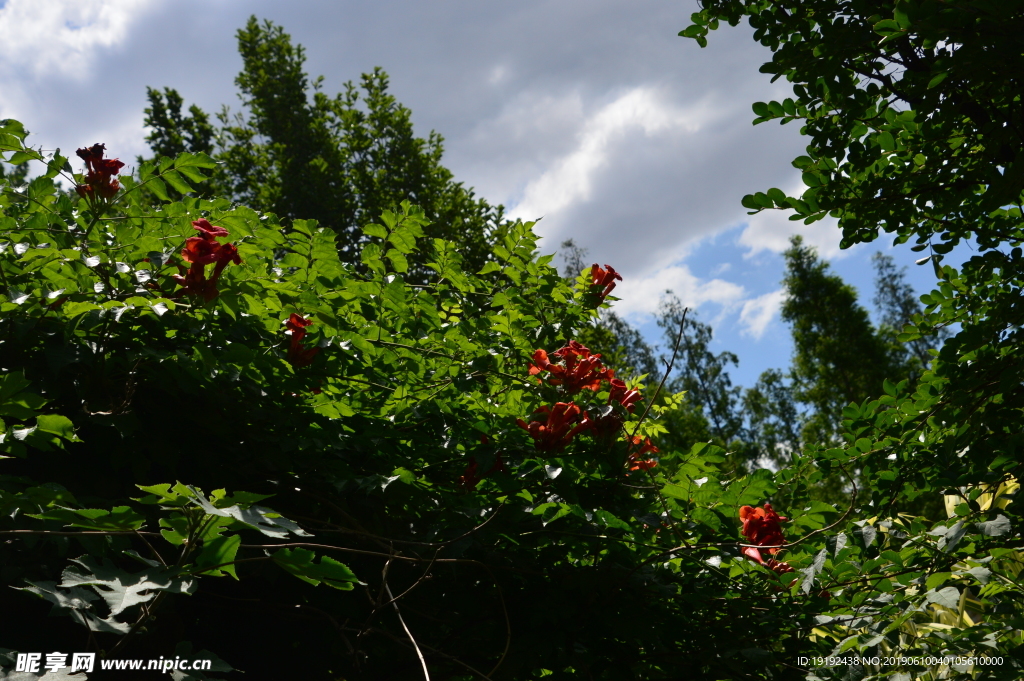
(838, 355)
(342, 160)
(371, 444)
(913, 114)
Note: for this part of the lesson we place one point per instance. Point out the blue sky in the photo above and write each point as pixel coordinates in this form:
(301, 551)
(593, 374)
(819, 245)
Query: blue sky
(594, 116)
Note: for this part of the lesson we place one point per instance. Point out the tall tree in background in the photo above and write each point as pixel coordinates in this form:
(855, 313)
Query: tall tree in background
(898, 307)
(701, 373)
(342, 160)
(838, 356)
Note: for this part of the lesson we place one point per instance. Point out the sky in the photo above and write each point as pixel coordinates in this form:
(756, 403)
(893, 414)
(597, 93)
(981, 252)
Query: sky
(592, 117)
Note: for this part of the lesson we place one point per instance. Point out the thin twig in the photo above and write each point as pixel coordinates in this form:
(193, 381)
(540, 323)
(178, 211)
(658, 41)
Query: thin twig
(632, 438)
(419, 653)
(72, 534)
(853, 502)
(155, 553)
(508, 623)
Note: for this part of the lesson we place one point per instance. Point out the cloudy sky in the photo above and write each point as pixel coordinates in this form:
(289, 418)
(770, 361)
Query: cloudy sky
(592, 115)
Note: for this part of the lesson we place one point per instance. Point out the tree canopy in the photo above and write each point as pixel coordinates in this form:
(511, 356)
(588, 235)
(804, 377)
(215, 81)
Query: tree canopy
(236, 434)
(299, 153)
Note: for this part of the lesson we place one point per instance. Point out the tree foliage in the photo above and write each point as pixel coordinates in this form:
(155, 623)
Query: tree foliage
(838, 357)
(385, 460)
(302, 154)
(914, 119)
(217, 432)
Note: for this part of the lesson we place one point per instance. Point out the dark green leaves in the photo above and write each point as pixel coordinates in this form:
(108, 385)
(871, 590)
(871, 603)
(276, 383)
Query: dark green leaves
(300, 562)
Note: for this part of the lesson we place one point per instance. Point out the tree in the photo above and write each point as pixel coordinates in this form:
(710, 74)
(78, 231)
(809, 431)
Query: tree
(215, 433)
(899, 307)
(301, 154)
(171, 132)
(702, 374)
(916, 129)
(774, 416)
(838, 356)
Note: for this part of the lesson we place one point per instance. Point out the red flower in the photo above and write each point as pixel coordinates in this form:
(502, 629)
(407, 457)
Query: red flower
(580, 369)
(778, 566)
(564, 421)
(200, 250)
(204, 250)
(228, 253)
(100, 173)
(761, 526)
(299, 356)
(91, 154)
(634, 461)
(603, 280)
(195, 283)
(619, 393)
(297, 325)
(209, 231)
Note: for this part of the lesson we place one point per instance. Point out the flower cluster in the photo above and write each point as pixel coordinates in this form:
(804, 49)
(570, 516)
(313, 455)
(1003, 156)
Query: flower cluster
(761, 526)
(201, 251)
(99, 176)
(635, 460)
(602, 281)
(299, 356)
(563, 422)
(579, 370)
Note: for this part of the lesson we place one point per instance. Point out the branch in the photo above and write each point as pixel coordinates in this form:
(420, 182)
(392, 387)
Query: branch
(419, 653)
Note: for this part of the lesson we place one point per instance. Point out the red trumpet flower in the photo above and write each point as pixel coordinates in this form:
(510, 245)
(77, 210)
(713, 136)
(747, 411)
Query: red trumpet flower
(634, 461)
(470, 478)
(563, 422)
(761, 526)
(299, 356)
(579, 370)
(204, 250)
(602, 281)
(621, 394)
(100, 172)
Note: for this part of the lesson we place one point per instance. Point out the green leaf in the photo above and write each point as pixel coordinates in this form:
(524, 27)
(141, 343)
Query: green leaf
(948, 597)
(778, 197)
(398, 260)
(120, 518)
(811, 179)
(121, 589)
(937, 79)
(937, 579)
(177, 182)
(263, 519)
(299, 562)
(19, 157)
(157, 186)
(57, 425)
(217, 552)
(403, 240)
(376, 230)
(996, 527)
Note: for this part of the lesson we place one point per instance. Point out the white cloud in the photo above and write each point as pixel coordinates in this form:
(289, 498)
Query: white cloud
(758, 312)
(45, 37)
(771, 230)
(569, 179)
(640, 296)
